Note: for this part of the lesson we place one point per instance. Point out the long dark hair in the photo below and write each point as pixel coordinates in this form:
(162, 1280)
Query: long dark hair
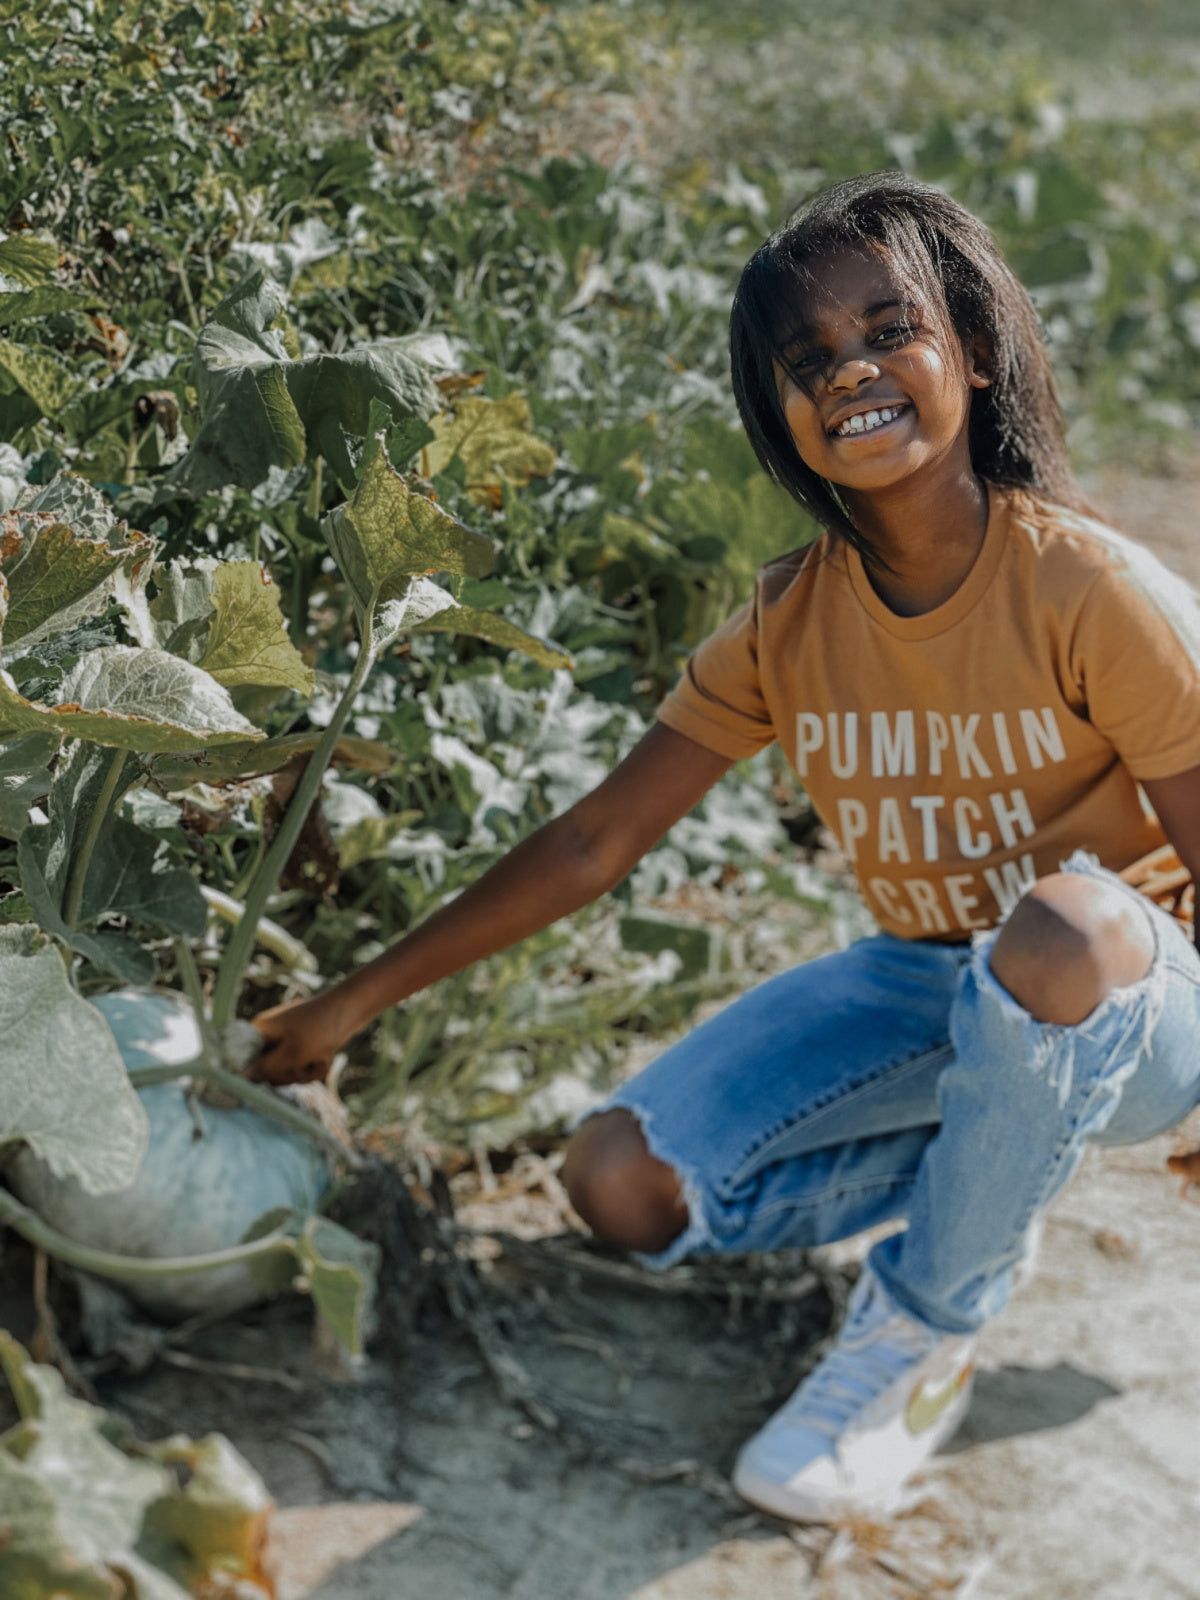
(951, 260)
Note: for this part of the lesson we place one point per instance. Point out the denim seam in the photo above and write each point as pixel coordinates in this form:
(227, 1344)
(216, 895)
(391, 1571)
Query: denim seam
(834, 1100)
(809, 1202)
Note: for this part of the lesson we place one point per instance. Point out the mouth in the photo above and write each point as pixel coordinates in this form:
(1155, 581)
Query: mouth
(867, 421)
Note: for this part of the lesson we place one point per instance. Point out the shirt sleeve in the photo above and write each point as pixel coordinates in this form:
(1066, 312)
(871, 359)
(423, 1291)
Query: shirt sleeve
(718, 702)
(1136, 657)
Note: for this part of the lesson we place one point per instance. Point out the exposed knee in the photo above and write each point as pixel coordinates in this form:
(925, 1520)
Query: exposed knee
(625, 1195)
(1069, 942)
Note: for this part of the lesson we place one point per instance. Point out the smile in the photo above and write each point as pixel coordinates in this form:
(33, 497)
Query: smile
(867, 421)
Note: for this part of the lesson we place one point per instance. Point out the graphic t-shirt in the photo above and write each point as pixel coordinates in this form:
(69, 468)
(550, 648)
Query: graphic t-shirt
(961, 754)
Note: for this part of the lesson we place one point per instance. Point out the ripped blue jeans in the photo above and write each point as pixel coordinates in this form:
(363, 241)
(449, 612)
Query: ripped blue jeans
(898, 1079)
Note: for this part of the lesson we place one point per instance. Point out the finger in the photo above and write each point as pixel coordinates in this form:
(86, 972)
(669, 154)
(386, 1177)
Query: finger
(274, 1065)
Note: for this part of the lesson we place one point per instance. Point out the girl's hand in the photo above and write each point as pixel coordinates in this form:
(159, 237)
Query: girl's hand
(302, 1040)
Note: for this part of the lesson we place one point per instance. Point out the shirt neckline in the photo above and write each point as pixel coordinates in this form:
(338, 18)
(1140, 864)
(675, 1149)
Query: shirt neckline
(952, 611)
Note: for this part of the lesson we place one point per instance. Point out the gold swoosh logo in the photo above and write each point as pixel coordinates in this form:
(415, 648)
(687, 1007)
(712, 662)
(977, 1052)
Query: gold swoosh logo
(925, 1406)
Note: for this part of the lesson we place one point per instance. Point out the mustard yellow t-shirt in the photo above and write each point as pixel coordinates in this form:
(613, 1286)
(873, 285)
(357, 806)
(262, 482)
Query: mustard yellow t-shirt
(961, 754)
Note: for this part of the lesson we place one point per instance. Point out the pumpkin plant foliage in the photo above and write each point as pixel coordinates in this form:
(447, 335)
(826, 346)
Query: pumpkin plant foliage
(90, 1513)
(124, 674)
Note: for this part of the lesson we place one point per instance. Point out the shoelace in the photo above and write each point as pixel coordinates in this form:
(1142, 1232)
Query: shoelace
(853, 1375)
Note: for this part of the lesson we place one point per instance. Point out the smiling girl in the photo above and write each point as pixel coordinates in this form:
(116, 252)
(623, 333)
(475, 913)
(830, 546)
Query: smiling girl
(994, 701)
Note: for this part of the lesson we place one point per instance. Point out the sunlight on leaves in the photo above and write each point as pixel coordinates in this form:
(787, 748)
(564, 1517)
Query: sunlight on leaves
(493, 440)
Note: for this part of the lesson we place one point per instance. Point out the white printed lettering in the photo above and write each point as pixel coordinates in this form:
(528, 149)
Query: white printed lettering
(893, 753)
(965, 747)
(889, 899)
(852, 826)
(1042, 734)
(1010, 882)
(1003, 742)
(924, 898)
(892, 843)
(843, 755)
(810, 736)
(970, 845)
(939, 740)
(961, 902)
(1017, 811)
(927, 804)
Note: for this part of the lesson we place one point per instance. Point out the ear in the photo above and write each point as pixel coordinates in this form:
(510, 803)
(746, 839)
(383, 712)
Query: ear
(977, 362)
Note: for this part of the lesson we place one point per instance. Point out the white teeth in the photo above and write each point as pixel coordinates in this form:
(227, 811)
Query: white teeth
(864, 421)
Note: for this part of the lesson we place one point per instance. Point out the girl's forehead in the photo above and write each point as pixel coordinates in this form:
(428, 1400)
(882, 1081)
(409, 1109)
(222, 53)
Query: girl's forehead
(858, 282)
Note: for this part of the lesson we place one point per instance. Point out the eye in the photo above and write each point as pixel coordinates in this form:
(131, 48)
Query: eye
(805, 361)
(893, 334)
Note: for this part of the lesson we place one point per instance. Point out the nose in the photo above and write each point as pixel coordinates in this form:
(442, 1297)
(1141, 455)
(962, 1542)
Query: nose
(850, 373)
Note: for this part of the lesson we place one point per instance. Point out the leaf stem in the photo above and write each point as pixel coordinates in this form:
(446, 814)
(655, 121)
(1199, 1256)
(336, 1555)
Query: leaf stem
(83, 856)
(192, 986)
(257, 1096)
(132, 1268)
(266, 879)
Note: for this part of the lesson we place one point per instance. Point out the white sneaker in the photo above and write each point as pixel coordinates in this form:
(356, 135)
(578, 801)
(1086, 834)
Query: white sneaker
(885, 1397)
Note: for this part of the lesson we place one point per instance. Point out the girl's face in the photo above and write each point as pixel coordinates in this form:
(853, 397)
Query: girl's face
(875, 391)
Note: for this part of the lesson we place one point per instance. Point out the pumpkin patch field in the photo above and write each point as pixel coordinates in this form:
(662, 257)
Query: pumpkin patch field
(368, 470)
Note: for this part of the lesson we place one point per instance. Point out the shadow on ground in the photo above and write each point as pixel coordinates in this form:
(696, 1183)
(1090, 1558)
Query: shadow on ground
(1018, 1400)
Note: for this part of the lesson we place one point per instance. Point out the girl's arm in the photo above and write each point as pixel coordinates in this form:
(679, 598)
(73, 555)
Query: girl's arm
(1176, 803)
(563, 866)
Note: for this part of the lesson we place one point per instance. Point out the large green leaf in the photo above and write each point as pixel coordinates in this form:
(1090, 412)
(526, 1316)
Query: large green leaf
(63, 1086)
(56, 577)
(44, 376)
(224, 617)
(82, 1520)
(80, 505)
(179, 614)
(426, 607)
(262, 407)
(131, 699)
(29, 261)
(34, 1563)
(496, 630)
(493, 440)
(124, 875)
(44, 882)
(100, 1494)
(387, 533)
(247, 639)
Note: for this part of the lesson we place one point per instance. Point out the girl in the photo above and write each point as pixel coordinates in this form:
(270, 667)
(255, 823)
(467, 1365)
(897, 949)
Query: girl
(978, 683)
